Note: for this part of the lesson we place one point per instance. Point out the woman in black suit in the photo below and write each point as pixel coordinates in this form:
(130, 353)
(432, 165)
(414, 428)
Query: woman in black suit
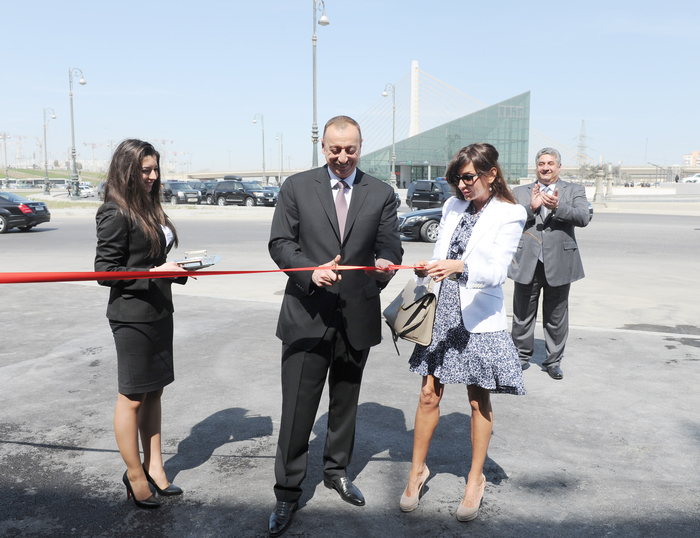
(135, 234)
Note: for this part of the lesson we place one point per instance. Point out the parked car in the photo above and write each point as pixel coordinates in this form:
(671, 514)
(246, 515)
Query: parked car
(273, 190)
(180, 192)
(424, 194)
(695, 178)
(86, 190)
(423, 224)
(204, 188)
(398, 199)
(19, 212)
(248, 193)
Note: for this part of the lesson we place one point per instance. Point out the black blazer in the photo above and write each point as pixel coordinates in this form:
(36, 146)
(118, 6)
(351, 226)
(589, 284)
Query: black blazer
(305, 233)
(122, 246)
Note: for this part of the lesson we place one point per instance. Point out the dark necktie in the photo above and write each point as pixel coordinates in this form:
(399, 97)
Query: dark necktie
(341, 206)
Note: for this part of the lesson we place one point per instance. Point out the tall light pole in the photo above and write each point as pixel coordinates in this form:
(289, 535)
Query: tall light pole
(262, 123)
(279, 137)
(46, 150)
(323, 21)
(4, 137)
(74, 178)
(393, 130)
(619, 171)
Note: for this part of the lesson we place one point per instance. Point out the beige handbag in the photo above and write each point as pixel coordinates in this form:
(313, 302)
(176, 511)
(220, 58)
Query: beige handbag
(411, 315)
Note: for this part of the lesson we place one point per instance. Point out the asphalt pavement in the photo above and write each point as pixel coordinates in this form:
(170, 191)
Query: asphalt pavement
(611, 450)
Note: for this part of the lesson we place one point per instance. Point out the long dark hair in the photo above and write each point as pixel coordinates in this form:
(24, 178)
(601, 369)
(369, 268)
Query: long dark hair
(126, 188)
(484, 157)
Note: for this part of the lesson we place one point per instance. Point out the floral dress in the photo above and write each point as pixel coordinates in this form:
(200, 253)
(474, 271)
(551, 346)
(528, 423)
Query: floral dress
(454, 355)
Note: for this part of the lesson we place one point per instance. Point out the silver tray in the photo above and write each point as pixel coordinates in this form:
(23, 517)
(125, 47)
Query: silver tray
(198, 260)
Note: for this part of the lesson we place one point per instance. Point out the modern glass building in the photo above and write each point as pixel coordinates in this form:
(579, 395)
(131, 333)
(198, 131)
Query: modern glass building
(506, 125)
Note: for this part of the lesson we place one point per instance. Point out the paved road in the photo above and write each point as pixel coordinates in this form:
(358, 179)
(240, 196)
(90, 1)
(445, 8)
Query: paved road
(612, 450)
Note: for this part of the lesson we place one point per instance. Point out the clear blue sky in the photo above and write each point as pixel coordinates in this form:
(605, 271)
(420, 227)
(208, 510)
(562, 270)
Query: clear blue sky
(197, 72)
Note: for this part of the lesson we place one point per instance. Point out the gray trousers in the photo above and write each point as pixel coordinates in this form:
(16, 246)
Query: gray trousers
(555, 317)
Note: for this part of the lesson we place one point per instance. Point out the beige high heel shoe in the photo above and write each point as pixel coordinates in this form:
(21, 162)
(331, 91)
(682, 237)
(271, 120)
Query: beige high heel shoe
(409, 504)
(469, 513)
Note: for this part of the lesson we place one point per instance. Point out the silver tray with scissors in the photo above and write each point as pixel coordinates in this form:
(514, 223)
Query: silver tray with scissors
(198, 259)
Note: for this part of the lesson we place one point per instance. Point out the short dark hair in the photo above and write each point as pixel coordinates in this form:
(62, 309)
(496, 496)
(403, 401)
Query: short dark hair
(484, 157)
(340, 122)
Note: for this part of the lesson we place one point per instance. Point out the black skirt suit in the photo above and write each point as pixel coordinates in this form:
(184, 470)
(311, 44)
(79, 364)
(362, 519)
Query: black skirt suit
(140, 312)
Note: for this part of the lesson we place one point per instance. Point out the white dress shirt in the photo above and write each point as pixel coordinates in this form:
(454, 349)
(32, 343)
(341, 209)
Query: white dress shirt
(547, 189)
(348, 181)
(168, 233)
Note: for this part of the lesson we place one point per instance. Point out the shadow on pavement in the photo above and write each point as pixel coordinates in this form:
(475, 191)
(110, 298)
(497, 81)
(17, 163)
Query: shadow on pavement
(225, 426)
(381, 429)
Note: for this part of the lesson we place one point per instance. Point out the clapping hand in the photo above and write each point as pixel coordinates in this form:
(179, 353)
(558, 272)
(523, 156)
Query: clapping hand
(550, 201)
(535, 199)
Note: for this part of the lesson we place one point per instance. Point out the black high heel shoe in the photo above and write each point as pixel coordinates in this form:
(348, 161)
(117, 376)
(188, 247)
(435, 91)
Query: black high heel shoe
(151, 502)
(171, 490)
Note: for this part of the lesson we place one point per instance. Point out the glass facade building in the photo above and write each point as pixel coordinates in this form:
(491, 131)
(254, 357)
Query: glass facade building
(506, 125)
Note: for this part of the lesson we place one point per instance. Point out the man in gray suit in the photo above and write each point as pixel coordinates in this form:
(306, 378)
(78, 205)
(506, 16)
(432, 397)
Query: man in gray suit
(547, 259)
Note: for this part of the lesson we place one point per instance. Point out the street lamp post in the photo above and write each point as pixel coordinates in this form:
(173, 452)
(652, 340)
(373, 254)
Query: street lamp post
(323, 21)
(393, 130)
(262, 124)
(599, 196)
(47, 190)
(279, 137)
(74, 178)
(4, 137)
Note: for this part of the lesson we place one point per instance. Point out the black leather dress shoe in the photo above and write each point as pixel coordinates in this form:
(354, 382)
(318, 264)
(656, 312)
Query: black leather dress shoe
(348, 491)
(555, 372)
(281, 518)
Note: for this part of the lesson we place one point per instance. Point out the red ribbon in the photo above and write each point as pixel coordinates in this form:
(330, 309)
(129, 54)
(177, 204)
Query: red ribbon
(30, 278)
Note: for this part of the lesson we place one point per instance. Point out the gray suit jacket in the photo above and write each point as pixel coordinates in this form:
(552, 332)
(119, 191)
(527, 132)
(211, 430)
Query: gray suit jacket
(305, 233)
(554, 235)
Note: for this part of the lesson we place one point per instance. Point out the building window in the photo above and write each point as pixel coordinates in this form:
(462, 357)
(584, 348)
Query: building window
(419, 172)
(505, 111)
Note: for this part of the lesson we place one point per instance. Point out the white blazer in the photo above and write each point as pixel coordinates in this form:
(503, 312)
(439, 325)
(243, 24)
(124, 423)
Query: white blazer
(488, 254)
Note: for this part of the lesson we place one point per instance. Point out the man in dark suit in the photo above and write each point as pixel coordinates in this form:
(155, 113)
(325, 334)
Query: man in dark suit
(547, 259)
(331, 215)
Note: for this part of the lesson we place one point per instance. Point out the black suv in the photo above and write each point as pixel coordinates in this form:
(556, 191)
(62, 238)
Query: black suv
(180, 192)
(424, 194)
(205, 188)
(248, 193)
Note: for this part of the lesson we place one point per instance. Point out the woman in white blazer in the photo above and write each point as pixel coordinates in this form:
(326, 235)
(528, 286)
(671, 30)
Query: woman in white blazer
(479, 232)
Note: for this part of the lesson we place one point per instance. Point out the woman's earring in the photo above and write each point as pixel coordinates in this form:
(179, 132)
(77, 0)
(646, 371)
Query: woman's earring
(490, 188)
